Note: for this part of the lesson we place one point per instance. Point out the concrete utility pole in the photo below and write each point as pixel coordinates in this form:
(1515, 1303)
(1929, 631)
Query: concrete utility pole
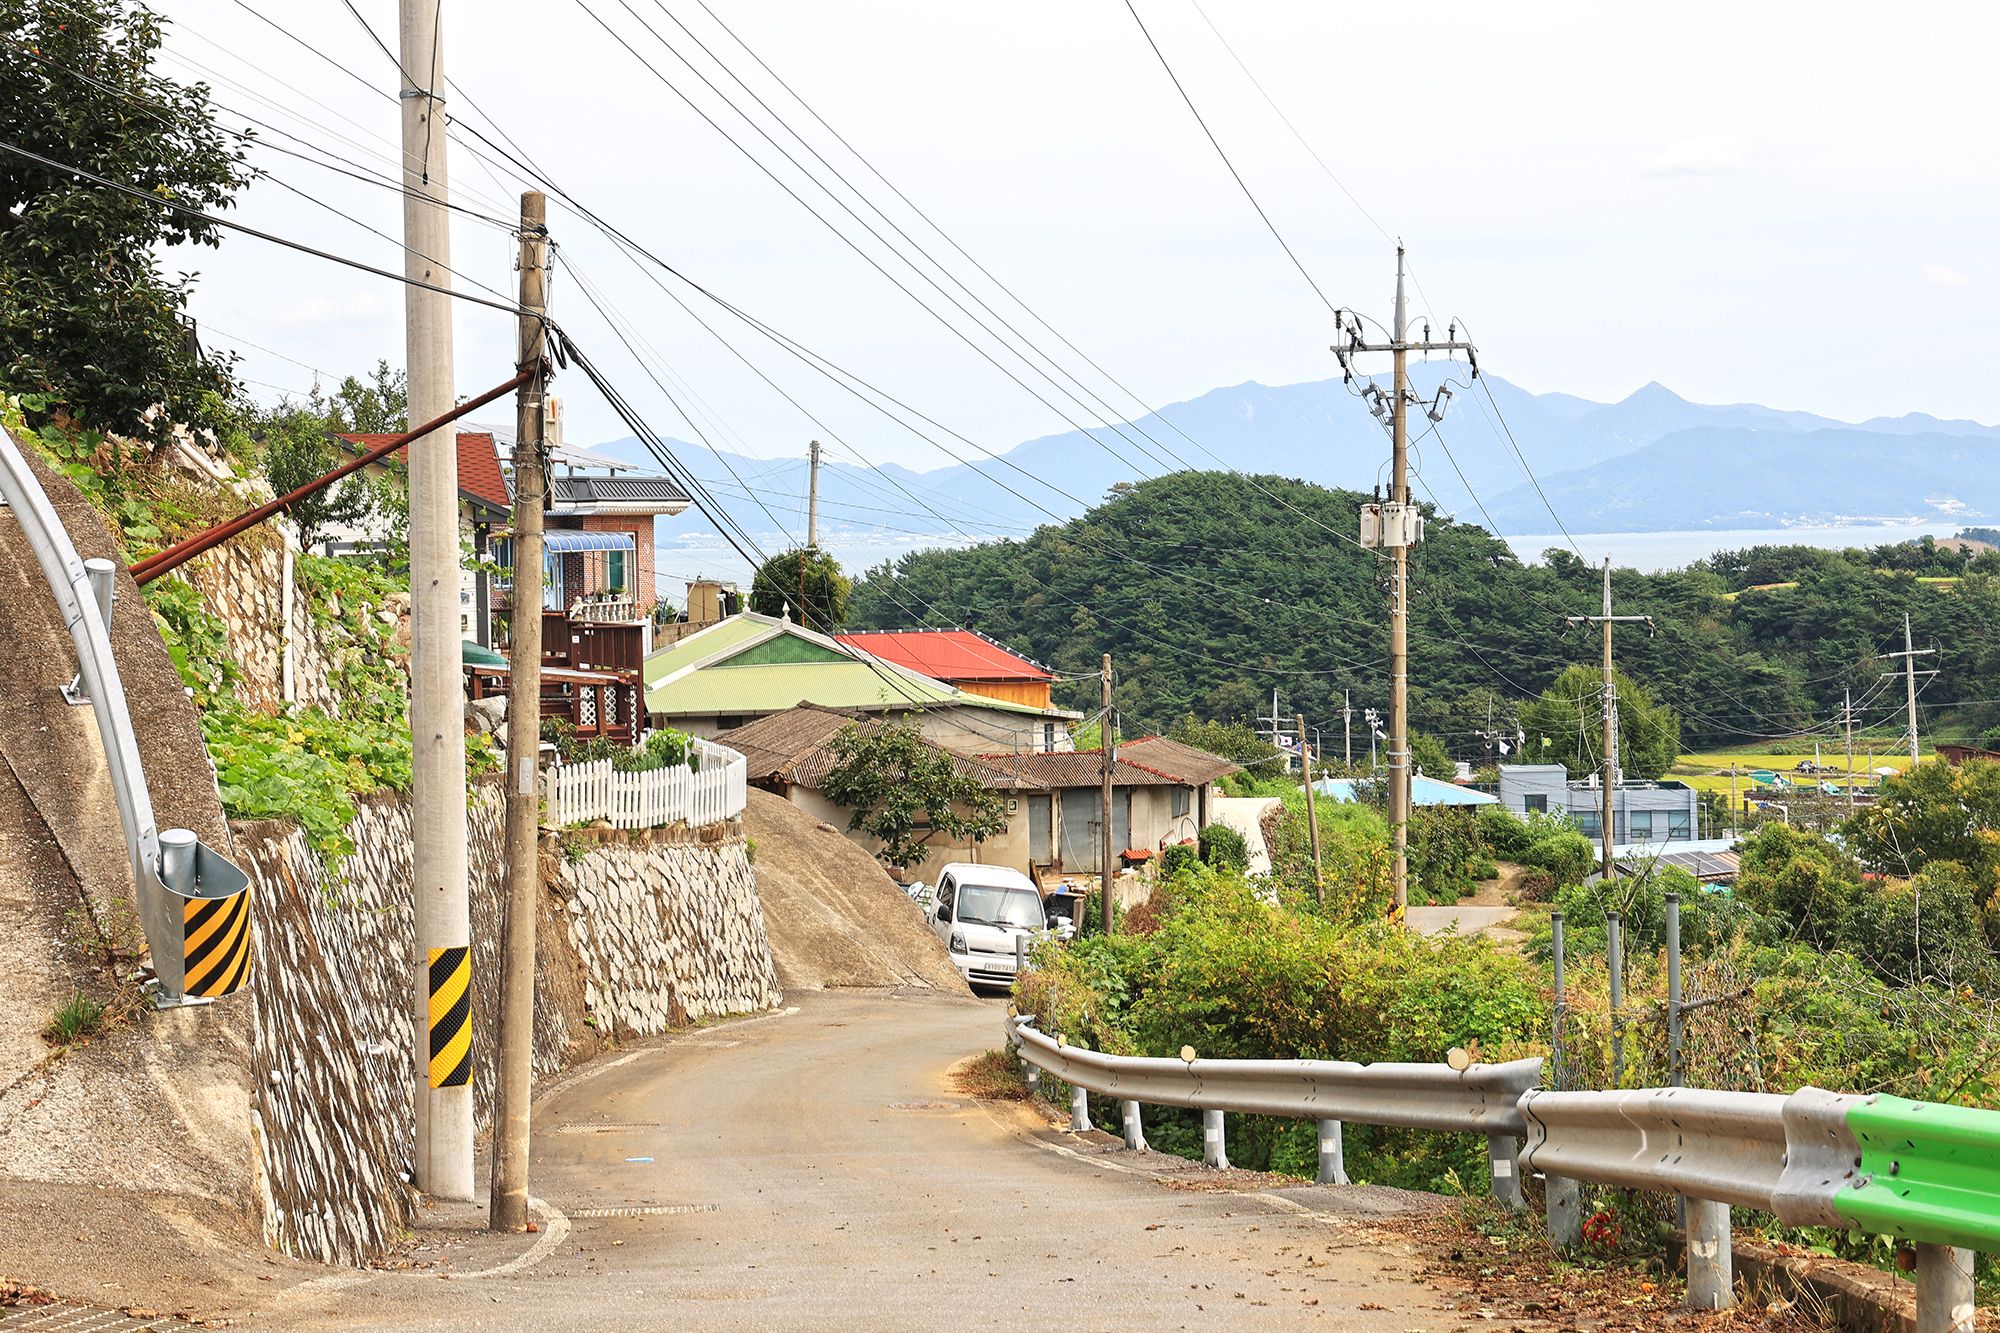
(812, 504)
(1347, 725)
(1312, 818)
(437, 700)
(1107, 758)
(1607, 620)
(514, 1088)
(1847, 716)
(1397, 525)
(1910, 654)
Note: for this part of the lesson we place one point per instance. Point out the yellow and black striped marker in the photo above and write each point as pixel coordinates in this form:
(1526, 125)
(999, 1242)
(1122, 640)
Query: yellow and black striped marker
(215, 936)
(451, 1017)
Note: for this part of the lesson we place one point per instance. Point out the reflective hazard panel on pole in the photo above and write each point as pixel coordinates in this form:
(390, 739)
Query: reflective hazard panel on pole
(216, 941)
(451, 1017)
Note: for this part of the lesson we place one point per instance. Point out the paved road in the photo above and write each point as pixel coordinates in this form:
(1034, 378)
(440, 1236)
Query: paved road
(824, 1204)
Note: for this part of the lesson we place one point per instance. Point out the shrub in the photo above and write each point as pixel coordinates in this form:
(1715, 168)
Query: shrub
(1223, 846)
(1538, 886)
(1565, 854)
(1483, 870)
(1502, 832)
(1177, 858)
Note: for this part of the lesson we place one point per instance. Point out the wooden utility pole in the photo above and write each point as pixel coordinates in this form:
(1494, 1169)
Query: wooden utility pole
(1312, 818)
(812, 505)
(1397, 526)
(514, 1088)
(1107, 758)
(1607, 620)
(442, 999)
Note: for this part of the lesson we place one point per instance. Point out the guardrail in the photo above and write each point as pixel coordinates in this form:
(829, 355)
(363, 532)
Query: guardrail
(580, 793)
(197, 945)
(1926, 1173)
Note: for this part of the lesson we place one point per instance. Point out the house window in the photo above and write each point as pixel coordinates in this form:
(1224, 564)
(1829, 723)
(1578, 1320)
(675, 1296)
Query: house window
(552, 589)
(1590, 822)
(1183, 801)
(1048, 738)
(503, 556)
(1678, 826)
(614, 574)
(1640, 825)
(1539, 803)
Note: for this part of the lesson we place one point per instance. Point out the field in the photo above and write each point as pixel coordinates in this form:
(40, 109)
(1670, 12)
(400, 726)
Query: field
(1710, 772)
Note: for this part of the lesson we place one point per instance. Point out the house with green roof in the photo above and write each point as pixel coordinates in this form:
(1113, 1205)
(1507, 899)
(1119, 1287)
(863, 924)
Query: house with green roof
(750, 666)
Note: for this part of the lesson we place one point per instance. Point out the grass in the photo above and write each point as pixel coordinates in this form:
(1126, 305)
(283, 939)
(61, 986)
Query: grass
(76, 1021)
(992, 1076)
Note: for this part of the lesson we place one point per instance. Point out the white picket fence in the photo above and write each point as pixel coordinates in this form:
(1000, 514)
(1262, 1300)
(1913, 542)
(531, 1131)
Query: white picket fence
(584, 793)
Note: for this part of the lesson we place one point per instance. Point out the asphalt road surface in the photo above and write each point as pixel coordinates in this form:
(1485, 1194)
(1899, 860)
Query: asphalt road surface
(815, 1170)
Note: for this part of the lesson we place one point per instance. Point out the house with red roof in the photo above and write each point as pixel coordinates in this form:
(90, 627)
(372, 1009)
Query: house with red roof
(963, 658)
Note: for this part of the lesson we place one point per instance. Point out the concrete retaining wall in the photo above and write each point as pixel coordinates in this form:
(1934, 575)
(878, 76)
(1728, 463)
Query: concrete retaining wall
(634, 937)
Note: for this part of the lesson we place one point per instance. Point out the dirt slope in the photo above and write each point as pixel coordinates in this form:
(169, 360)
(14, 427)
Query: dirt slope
(833, 914)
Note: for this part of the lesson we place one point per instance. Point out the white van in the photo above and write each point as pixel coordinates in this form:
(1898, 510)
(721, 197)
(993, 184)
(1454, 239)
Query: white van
(978, 913)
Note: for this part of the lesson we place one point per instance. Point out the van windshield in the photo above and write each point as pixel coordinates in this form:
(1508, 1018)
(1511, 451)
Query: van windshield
(985, 905)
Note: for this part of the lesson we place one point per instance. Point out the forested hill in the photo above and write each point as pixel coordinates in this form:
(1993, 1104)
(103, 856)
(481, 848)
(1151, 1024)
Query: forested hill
(1211, 589)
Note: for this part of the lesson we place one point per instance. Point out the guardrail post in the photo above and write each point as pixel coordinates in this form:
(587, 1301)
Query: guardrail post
(1565, 1198)
(1079, 1110)
(1213, 1151)
(1711, 1282)
(1135, 1133)
(1332, 1161)
(1020, 956)
(1503, 1154)
(1944, 1289)
(1614, 950)
(1562, 1194)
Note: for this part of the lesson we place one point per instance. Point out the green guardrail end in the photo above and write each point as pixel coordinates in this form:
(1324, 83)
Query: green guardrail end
(1927, 1172)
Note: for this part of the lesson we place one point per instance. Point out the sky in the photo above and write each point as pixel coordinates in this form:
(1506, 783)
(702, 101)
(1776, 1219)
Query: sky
(1781, 203)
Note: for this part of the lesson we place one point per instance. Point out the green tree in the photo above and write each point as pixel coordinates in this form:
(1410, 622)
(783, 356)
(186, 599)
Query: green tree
(807, 571)
(1234, 741)
(1934, 813)
(1570, 716)
(86, 314)
(903, 790)
(1432, 759)
(296, 452)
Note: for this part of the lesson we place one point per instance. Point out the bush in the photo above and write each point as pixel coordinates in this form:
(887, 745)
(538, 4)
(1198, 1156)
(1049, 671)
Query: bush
(1483, 870)
(1565, 854)
(1502, 832)
(1223, 846)
(1176, 859)
(1538, 886)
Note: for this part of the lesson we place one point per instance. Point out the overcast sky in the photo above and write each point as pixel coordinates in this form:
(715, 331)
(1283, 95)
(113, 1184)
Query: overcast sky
(1785, 204)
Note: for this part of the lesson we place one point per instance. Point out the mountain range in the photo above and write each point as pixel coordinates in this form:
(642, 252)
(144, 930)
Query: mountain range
(1500, 456)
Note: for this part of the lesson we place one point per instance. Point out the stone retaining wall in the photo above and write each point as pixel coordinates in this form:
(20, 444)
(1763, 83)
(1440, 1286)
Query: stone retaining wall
(633, 938)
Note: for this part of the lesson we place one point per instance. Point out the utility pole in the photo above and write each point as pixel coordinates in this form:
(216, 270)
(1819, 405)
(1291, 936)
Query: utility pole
(812, 503)
(1607, 620)
(442, 1001)
(514, 1087)
(1733, 829)
(1847, 716)
(1397, 525)
(1312, 818)
(1910, 654)
(1347, 725)
(1106, 759)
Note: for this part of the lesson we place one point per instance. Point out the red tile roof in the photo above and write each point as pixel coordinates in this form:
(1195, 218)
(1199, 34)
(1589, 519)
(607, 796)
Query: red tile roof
(947, 654)
(478, 463)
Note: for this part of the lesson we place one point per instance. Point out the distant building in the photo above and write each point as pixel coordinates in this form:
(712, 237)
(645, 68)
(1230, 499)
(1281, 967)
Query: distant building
(1423, 791)
(962, 657)
(1641, 811)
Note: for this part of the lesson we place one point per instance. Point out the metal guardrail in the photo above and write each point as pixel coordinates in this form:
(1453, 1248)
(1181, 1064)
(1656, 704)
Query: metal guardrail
(1924, 1172)
(170, 892)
